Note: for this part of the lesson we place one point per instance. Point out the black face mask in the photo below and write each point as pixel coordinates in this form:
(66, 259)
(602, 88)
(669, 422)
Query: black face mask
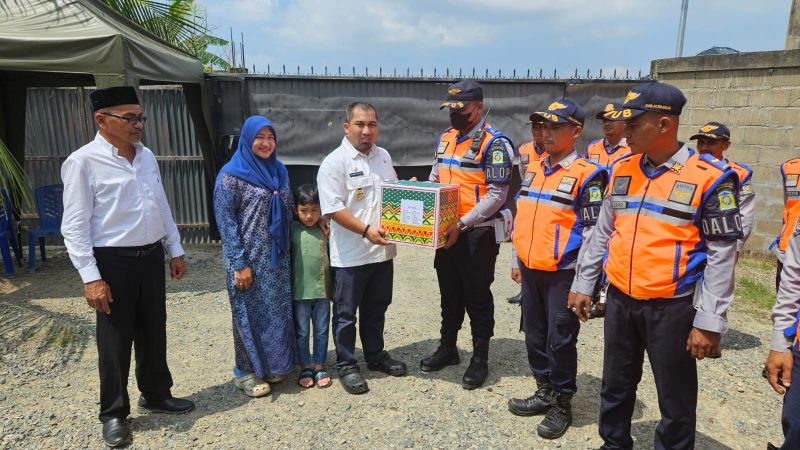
(459, 121)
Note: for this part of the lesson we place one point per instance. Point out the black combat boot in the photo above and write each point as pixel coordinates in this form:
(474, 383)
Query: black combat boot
(538, 403)
(558, 418)
(445, 355)
(478, 366)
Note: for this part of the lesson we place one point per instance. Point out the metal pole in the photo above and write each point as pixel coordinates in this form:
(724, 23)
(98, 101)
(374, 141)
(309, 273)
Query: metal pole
(681, 28)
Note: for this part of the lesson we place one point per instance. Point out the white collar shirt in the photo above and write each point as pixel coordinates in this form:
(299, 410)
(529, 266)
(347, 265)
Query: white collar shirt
(110, 202)
(349, 179)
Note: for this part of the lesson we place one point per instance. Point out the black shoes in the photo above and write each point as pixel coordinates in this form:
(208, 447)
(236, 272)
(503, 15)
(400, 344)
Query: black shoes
(116, 433)
(445, 355)
(169, 405)
(478, 368)
(558, 418)
(352, 381)
(441, 358)
(514, 299)
(388, 366)
(538, 403)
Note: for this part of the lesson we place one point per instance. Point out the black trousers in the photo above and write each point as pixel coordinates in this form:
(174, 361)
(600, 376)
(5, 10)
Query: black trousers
(466, 273)
(551, 330)
(790, 416)
(139, 317)
(660, 326)
(366, 289)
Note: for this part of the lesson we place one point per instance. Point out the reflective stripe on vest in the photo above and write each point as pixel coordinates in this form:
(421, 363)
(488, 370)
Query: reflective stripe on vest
(596, 152)
(657, 249)
(791, 207)
(547, 232)
(458, 166)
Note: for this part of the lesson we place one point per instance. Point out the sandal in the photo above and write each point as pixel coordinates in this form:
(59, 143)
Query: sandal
(352, 381)
(321, 375)
(306, 374)
(251, 385)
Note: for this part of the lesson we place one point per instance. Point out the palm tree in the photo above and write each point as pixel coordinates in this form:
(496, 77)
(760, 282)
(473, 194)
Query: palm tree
(13, 178)
(181, 23)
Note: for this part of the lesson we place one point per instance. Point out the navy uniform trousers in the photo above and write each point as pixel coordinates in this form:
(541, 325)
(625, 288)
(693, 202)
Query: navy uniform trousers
(466, 272)
(790, 417)
(365, 289)
(551, 329)
(138, 317)
(660, 326)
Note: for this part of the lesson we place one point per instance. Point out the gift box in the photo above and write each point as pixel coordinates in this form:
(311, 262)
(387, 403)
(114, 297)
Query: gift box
(418, 213)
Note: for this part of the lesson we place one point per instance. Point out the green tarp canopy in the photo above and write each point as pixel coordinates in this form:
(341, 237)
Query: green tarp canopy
(46, 43)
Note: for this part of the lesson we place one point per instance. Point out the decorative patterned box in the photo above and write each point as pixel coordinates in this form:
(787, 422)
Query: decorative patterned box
(418, 213)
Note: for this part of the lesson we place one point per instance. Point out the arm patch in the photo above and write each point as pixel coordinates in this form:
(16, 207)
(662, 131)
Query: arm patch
(497, 163)
(591, 199)
(720, 217)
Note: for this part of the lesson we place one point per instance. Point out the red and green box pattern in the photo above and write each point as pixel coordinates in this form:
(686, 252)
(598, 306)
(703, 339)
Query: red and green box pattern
(431, 232)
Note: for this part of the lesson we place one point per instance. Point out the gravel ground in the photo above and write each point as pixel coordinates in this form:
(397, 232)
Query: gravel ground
(49, 383)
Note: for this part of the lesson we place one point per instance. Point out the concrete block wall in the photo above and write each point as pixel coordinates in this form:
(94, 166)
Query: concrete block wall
(758, 96)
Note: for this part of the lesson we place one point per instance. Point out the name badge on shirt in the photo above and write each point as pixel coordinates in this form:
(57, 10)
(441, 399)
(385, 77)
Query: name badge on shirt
(528, 179)
(566, 184)
(442, 147)
(359, 173)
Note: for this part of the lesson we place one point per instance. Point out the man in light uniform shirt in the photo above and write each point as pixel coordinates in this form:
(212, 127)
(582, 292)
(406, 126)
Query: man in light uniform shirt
(116, 226)
(349, 183)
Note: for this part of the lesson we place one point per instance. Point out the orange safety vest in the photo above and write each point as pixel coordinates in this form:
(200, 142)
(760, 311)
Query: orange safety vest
(790, 170)
(596, 152)
(459, 165)
(657, 248)
(527, 154)
(547, 227)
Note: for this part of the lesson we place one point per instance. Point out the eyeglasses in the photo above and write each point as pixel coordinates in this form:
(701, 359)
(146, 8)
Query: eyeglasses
(133, 120)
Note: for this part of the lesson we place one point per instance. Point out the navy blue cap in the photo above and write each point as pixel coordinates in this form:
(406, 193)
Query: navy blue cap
(611, 107)
(460, 94)
(651, 96)
(713, 130)
(563, 111)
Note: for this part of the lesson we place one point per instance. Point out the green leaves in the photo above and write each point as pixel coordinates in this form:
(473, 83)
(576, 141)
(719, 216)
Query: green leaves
(13, 179)
(181, 23)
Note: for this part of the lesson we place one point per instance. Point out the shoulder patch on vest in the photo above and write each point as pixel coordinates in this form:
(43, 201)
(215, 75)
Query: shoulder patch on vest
(747, 189)
(791, 180)
(528, 179)
(442, 147)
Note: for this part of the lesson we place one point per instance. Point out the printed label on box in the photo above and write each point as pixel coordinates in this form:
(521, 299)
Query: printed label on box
(411, 212)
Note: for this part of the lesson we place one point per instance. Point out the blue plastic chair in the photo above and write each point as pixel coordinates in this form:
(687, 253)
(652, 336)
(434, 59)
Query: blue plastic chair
(50, 206)
(7, 234)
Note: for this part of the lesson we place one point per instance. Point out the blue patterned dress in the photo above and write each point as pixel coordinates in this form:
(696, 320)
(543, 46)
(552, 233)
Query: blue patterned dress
(263, 328)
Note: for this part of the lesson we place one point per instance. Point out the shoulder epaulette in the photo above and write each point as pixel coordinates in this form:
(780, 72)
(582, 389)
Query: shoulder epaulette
(711, 160)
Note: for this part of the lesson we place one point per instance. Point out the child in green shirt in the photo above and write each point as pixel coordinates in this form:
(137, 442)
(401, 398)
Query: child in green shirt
(312, 288)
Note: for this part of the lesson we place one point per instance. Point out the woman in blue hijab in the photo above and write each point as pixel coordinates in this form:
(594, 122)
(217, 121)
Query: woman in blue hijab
(252, 204)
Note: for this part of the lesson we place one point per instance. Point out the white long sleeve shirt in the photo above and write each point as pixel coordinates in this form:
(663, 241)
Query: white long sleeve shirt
(109, 202)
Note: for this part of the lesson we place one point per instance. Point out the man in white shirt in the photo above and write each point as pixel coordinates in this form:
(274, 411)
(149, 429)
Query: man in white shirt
(349, 183)
(116, 225)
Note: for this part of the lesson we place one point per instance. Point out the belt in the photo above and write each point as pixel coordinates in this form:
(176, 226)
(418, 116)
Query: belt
(130, 252)
(488, 223)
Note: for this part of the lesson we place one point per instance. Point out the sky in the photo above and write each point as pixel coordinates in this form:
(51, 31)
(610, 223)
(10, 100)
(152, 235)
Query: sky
(498, 35)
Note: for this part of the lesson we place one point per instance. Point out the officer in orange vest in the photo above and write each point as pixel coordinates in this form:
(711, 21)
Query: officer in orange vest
(670, 223)
(604, 151)
(714, 139)
(528, 152)
(479, 159)
(533, 149)
(790, 171)
(557, 208)
(783, 362)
